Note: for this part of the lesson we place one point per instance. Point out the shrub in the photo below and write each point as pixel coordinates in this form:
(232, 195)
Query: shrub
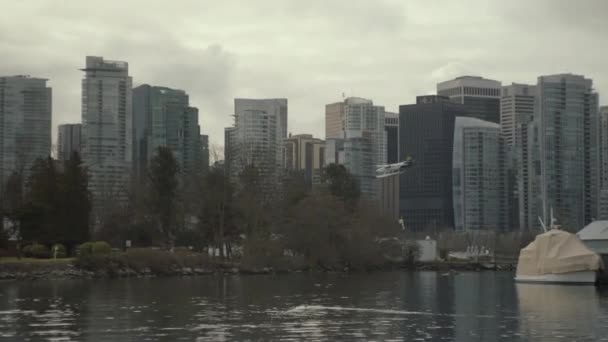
(259, 253)
(60, 251)
(27, 251)
(40, 251)
(101, 247)
(85, 249)
(90, 248)
(158, 261)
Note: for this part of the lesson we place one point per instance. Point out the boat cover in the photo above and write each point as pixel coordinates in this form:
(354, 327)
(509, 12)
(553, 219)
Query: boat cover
(554, 252)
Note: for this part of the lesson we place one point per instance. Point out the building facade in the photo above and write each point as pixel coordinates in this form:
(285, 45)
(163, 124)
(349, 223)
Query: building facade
(258, 140)
(334, 120)
(107, 128)
(305, 154)
(164, 118)
(391, 127)
(568, 131)
(364, 144)
(25, 124)
(480, 96)
(426, 133)
(69, 139)
(478, 176)
(516, 115)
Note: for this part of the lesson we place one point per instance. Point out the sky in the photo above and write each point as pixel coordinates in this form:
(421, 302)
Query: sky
(308, 51)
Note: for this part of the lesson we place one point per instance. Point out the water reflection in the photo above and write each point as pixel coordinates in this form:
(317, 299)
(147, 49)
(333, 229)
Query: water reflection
(561, 311)
(424, 306)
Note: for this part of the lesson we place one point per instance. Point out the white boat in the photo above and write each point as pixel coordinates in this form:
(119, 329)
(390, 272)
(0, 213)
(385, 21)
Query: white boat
(573, 278)
(557, 257)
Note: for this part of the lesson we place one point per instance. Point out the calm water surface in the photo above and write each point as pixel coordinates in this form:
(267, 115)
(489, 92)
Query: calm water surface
(423, 306)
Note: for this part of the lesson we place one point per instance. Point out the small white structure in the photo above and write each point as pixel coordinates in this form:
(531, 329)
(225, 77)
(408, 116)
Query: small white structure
(428, 250)
(595, 237)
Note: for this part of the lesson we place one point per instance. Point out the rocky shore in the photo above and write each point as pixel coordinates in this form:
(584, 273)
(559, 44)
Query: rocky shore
(69, 270)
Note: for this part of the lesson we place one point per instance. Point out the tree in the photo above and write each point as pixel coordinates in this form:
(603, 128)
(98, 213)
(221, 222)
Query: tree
(216, 209)
(75, 203)
(251, 203)
(341, 183)
(38, 217)
(163, 183)
(13, 199)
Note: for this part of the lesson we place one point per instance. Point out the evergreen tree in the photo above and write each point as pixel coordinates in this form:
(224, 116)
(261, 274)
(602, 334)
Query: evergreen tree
(75, 203)
(163, 183)
(38, 216)
(341, 183)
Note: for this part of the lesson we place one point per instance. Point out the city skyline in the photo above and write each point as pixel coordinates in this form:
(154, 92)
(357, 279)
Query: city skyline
(311, 62)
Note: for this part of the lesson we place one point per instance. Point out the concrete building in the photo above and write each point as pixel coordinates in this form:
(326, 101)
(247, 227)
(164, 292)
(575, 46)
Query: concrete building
(480, 96)
(306, 154)
(68, 140)
(164, 118)
(478, 176)
(391, 127)
(25, 124)
(364, 142)
(516, 115)
(259, 135)
(426, 133)
(568, 130)
(334, 120)
(603, 138)
(334, 151)
(107, 128)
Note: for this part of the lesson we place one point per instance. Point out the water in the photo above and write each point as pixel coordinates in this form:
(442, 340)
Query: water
(422, 306)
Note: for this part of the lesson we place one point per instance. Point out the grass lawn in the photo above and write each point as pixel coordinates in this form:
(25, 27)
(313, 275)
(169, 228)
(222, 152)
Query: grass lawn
(14, 260)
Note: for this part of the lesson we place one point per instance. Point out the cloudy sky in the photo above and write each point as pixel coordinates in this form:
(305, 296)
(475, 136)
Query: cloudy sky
(309, 51)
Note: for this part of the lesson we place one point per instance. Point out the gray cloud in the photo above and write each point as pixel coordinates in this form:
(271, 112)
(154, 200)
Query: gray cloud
(308, 51)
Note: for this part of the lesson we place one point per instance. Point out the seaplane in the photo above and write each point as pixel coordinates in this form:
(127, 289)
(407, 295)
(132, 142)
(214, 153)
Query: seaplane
(393, 169)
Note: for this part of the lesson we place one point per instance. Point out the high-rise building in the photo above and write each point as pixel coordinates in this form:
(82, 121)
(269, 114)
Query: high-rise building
(426, 133)
(391, 126)
(603, 138)
(305, 154)
(480, 96)
(68, 140)
(334, 120)
(363, 142)
(204, 152)
(107, 128)
(259, 135)
(478, 176)
(516, 115)
(163, 118)
(25, 124)
(334, 151)
(568, 131)
(603, 196)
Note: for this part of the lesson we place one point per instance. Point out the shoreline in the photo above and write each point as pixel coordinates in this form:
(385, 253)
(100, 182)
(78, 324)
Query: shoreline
(67, 269)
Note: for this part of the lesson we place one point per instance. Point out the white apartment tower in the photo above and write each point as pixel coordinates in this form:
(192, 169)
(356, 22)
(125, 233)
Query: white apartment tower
(258, 139)
(107, 127)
